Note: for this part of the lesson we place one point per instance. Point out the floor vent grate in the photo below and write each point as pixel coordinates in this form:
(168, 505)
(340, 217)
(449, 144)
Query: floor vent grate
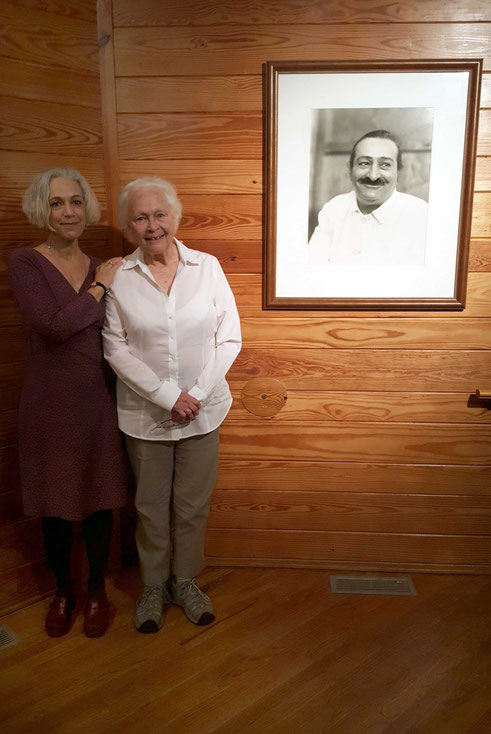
(7, 637)
(390, 585)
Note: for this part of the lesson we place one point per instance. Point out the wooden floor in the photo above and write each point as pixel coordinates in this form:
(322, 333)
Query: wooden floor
(284, 656)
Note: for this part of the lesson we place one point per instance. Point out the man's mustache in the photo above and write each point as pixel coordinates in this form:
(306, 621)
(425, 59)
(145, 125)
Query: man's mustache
(371, 182)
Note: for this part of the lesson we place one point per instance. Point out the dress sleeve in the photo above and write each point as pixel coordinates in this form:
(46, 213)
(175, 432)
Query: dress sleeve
(228, 340)
(39, 307)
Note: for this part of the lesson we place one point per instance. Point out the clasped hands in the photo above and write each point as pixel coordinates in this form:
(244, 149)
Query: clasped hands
(186, 408)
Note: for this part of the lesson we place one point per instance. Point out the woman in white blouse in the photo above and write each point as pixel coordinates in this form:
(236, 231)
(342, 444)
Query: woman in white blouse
(171, 334)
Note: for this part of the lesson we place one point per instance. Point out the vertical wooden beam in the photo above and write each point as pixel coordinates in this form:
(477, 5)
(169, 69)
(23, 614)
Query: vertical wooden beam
(109, 120)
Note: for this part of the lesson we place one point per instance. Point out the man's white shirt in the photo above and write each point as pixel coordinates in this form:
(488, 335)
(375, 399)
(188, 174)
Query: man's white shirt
(393, 234)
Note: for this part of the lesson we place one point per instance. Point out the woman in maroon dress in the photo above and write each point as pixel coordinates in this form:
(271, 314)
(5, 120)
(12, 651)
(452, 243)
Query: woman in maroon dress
(71, 459)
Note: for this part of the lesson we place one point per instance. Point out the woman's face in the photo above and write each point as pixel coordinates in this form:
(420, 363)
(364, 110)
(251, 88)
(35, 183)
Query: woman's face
(151, 223)
(67, 215)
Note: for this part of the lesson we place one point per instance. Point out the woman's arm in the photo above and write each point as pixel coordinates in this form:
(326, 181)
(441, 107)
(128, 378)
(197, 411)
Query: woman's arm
(39, 307)
(227, 340)
(131, 370)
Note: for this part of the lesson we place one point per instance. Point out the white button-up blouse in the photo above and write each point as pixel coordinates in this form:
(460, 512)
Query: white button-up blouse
(160, 345)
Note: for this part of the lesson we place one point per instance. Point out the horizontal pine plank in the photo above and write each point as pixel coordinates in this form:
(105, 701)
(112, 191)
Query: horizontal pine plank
(377, 407)
(60, 129)
(248, 294)
(385, 370)
(297, 332)
(338, 476)
(350, 512)
(222, 135)
(23, 80)
(411, 444)
(206, 94)
(200, 176)
(328, 547)
(480, 256)
(235, 256)
(242, 50)
(483, 174)
(19, 167)
(55, 39)
(258, 12)
(189, 94)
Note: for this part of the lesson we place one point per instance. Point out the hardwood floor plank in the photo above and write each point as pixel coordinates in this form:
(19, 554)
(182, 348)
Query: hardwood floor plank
(284, 655)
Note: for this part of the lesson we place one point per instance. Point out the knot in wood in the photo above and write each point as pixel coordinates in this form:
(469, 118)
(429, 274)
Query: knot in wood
(263, 396)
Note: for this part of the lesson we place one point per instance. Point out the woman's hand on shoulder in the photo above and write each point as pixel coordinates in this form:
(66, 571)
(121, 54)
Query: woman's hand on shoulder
(186, 408)
(105, 272)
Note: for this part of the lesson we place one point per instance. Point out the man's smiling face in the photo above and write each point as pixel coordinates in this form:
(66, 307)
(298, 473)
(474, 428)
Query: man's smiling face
(374, 172)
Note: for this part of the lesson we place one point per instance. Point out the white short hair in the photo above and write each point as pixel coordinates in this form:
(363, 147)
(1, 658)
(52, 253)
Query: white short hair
(148, 182)
(35, 202)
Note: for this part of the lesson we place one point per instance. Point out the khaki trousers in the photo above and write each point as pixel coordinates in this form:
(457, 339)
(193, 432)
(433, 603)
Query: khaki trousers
(174, 483)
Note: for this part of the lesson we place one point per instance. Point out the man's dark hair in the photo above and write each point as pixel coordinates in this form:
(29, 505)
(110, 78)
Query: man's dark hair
(386, 135)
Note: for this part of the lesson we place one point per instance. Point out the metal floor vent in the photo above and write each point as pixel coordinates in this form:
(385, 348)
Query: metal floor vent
(390, 585)
(7, 637)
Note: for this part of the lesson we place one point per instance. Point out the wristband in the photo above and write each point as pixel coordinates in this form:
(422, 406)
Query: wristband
(96, 282)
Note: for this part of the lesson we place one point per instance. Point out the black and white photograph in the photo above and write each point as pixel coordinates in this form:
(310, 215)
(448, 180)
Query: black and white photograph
(368, 171)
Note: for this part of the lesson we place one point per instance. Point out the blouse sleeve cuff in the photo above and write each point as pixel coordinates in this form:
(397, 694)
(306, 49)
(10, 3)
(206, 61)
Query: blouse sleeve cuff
(197, 393)
(167, 395)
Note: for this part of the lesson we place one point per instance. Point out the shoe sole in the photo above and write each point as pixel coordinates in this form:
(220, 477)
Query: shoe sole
(206, 617)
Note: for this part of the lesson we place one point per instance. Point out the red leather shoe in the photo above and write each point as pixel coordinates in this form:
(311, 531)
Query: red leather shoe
(96, 615)
(59, 615)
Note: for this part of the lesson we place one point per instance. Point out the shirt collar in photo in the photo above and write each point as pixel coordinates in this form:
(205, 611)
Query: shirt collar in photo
(384, 214)
(186, 257)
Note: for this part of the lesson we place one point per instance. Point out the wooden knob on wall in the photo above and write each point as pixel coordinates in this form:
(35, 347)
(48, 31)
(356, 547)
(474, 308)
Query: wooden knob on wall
(263, 396)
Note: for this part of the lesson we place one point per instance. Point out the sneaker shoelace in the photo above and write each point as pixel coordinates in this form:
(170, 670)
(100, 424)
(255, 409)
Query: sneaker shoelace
(190, 589)
(152, 599)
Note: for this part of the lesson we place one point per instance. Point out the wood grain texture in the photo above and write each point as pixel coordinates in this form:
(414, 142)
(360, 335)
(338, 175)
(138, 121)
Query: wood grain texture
(59, 129)
(412, 664)
(242, 50)
(189, 94)
(300, 333)
(385, 370)
(49, 38)
(248, 292)
(350, 512)
(24, 585)
(338, 476)
(480, 256)
(207, 94)
(109, 123)
(42, 83)
(326, 548)
(202, 12)
(233, 135)
(377, 407)
(408, 444)
(483, 174)
(200, 176)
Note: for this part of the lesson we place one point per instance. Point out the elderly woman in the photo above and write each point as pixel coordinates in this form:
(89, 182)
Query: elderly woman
(70, 451)
(171, 334)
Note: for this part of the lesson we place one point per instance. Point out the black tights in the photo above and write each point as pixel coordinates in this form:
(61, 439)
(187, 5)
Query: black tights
(96, 532)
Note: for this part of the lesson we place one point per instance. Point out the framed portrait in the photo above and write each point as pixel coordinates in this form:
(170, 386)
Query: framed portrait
(369, 183)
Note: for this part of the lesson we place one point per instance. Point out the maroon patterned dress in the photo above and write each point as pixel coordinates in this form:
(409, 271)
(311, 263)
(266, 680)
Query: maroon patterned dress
(71, 457)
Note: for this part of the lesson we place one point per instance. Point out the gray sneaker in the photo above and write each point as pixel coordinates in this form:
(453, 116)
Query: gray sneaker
(149, 609)
(197, 606)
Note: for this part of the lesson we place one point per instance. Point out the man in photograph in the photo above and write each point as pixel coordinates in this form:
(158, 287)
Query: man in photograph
(374, 224)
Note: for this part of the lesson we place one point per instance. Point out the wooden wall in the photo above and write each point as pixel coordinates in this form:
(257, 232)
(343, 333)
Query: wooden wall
(50, 101)
(378, 460)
